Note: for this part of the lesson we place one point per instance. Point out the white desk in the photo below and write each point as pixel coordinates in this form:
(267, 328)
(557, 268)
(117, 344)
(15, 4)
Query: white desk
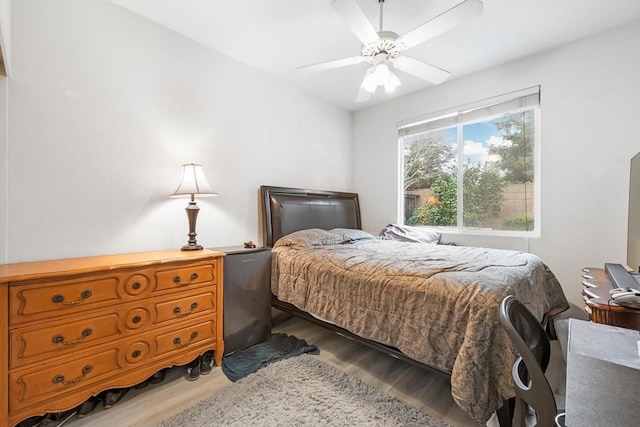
(603, 376)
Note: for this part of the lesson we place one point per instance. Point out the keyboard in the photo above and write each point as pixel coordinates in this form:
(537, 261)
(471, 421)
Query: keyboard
(620, 277)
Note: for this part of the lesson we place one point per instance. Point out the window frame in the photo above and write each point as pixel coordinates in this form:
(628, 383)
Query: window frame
(512, 102)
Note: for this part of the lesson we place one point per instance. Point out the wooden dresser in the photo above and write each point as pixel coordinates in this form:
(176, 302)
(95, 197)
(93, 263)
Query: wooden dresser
(599, 305)
(72, 328)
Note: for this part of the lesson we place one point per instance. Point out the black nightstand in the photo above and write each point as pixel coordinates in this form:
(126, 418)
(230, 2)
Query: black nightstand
(247, 296)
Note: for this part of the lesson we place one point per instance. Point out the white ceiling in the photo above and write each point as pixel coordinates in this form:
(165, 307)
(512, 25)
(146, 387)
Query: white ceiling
(277, 36)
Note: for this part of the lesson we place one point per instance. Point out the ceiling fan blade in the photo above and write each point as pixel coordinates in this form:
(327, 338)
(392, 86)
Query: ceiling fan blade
(354, 60)
(356, 19)
(444, 22)
(420, 69)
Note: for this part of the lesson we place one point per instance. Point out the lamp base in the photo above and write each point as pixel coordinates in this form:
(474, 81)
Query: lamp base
(191, 248)
(192, 214)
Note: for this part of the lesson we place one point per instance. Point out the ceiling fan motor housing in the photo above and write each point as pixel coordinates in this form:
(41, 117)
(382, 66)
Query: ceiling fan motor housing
(385, 45)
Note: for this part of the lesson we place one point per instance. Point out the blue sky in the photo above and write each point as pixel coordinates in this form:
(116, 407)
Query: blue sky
(478, 138)
(481, 131)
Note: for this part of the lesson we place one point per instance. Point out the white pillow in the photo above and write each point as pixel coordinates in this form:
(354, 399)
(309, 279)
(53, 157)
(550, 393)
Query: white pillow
(406, 233)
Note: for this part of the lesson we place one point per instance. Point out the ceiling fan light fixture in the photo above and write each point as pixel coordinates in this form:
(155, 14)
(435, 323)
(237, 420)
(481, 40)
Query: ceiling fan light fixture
(370, 83)
(392, 83)
(381, 72)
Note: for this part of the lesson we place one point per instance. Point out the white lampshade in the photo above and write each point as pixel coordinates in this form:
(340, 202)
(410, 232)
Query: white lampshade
(193, 181)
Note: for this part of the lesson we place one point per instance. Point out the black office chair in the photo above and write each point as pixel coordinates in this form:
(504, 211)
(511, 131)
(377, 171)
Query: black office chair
(533, 346)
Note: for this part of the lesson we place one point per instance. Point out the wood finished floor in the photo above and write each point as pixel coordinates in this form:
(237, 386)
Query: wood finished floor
(418, 387)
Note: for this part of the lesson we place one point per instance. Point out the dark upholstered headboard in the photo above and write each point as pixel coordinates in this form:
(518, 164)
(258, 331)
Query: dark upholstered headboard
(286, 210)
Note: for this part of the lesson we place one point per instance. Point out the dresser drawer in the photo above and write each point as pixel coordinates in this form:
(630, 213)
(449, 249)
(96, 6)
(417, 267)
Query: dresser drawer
(34, 385)
(41, 343)
(184, 338)
(187, 307)
(58, 298)
(186, 277)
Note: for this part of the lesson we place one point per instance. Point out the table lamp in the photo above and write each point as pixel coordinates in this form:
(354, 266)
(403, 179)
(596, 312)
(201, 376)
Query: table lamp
(193, 182)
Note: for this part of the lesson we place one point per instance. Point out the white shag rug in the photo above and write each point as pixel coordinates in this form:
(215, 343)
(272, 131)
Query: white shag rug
(299, 391)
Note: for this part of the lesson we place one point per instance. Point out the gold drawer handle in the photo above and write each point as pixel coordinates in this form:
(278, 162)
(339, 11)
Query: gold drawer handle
(60, 378)
(179, 281)
(177, 342)
(59, 299)
(59, 338)
(178, 311)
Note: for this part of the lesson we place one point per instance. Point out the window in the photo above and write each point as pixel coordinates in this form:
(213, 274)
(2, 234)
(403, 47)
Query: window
(474, 168)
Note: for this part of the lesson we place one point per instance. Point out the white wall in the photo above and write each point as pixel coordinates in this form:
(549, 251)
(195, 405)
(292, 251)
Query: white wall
(5, 35)
(590, 104)
(104, 108)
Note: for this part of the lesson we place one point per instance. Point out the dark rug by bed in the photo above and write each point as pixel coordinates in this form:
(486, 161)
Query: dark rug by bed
(280, 346)
(300, 391)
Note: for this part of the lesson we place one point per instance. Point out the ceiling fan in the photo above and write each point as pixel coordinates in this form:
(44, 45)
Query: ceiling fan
(382, 49)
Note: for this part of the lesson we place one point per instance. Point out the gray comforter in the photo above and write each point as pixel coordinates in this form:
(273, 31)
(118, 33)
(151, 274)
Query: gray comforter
(438, 304)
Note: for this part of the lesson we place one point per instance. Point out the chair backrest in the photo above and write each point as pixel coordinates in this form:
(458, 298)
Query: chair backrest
(533, 346)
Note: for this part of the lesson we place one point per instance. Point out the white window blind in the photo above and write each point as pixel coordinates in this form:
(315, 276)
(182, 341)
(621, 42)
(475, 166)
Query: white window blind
(509, 102)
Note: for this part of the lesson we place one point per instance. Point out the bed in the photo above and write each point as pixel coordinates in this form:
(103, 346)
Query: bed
(429, 304)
